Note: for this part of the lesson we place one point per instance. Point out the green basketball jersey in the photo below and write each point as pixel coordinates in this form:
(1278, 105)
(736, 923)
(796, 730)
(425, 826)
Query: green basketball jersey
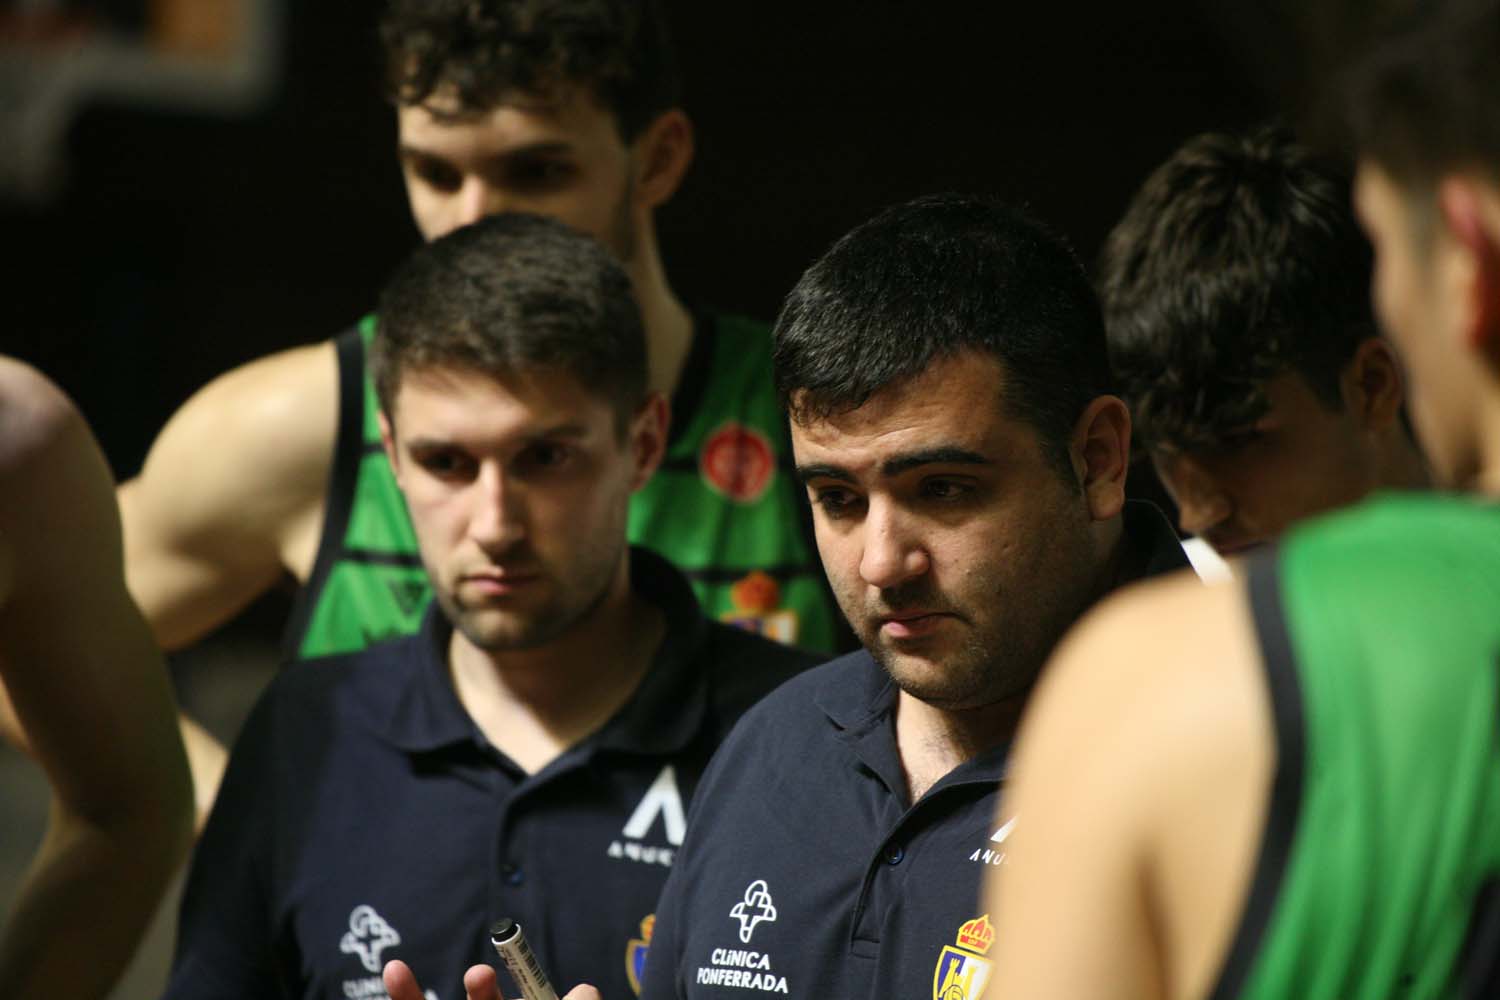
(723, 507)
(1380, 859)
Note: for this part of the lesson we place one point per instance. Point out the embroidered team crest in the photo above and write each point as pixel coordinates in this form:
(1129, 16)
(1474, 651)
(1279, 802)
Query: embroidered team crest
(635, 953)
(368, 935)
(737, 461)
(963, 972)
(757, 608)
(755, 907)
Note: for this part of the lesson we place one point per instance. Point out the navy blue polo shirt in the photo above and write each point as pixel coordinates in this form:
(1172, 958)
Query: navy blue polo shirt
(809, 872)
(365, 817)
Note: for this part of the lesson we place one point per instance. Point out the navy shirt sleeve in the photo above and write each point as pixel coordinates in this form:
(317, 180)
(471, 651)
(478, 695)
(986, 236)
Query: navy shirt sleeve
(224, 935)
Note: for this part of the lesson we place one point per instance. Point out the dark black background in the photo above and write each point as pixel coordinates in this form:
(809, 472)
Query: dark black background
(181, 245)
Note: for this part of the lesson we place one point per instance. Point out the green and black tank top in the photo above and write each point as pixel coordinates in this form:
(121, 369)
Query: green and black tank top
(1379, 868)
(724, 507)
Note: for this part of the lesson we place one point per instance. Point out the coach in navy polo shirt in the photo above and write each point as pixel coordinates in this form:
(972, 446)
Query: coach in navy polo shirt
(945, 370)
(944, 367)
(529, 753)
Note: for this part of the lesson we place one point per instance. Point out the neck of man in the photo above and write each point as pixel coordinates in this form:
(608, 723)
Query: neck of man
(533, 704)
(934, 740)
(1402, 465)
(669, 325)
(1488, 481)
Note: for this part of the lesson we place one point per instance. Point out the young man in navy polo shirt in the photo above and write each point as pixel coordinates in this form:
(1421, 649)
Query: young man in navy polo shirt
(944, 366)
(529, 753)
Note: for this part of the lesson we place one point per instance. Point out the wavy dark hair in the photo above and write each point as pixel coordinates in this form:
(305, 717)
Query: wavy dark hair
(619, 50)
(931, 279)
(1238, 260)
(510, 293)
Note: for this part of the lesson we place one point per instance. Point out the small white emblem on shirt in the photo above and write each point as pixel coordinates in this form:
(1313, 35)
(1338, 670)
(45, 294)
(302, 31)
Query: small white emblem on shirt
(368, 936)
(755, 907)
(994, 855)
(663, 800)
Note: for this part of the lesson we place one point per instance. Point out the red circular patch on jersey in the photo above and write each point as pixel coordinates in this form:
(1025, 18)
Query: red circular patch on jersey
(738, 462)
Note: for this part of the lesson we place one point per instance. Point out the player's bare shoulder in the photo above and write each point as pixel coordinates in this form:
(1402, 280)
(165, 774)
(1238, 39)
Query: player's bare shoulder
(1167, 676)
(246, 458)
(34, 416)
(231, 495)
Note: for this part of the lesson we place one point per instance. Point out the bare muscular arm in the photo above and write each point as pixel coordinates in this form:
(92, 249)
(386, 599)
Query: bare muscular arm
(1138, 791)
(231, 493)
(90, 687)
(230, 498)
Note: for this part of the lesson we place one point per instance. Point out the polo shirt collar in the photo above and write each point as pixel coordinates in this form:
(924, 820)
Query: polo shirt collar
(663, 715)
(859, 697)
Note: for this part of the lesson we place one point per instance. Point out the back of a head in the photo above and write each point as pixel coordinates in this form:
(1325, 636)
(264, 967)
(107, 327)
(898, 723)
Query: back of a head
(480, 51)
(513, 293)
(1239, 259)
(1420, 97)
(933, 278)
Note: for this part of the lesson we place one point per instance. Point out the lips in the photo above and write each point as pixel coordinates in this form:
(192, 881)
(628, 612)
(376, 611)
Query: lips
(911, 624)
(497, 584)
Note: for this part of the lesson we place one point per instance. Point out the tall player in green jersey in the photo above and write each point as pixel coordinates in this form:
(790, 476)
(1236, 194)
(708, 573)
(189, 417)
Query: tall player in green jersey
(559, 107)
(1290, 787)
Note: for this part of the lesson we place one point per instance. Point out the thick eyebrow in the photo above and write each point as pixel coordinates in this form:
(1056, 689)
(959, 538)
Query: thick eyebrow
(545, 147)
(574, 431)
(893, 467)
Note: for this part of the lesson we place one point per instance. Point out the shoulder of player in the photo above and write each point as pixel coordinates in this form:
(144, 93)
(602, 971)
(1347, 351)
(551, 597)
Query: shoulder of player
(319, 695)
(1164, 676)
(279, 412)
(788, 719)
(36, 418)
(255, 442)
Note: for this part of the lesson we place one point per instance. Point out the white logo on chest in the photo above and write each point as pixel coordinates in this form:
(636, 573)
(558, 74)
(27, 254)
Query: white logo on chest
(662, 800)
(368, 936)
(755, 907)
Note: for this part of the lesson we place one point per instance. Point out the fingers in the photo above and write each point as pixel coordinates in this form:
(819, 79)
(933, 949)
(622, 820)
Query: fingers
(582, 992)
(479, 983)
(400, 983)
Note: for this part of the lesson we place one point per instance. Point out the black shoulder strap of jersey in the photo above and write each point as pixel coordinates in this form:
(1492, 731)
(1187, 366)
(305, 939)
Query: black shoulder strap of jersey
(338, 500)
(1284, 808)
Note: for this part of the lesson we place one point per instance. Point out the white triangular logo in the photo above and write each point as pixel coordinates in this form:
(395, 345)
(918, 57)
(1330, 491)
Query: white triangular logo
(999, 835)
(662, 799)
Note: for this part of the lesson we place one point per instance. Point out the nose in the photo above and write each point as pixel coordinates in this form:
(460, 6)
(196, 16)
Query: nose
(497, 519)
(893, 551)
(1202, 504)
(475, 200)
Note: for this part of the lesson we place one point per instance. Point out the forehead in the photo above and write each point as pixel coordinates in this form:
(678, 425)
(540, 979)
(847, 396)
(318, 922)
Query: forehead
(567, 115)
(452, 402)
(956, 402)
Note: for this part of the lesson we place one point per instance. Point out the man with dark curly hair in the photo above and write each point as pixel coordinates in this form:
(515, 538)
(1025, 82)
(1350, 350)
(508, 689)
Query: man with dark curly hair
(1236, 292)
(565, 108)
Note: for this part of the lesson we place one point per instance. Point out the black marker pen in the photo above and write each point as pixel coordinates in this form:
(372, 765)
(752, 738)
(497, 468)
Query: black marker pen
(518, 957)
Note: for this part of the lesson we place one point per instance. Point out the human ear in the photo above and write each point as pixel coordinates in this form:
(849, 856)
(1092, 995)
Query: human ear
(662, 154)
(1100, 450)
(1374, 387)
(648, 437)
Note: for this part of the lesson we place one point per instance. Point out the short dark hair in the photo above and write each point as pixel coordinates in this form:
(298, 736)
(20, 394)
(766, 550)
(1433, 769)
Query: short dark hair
(1421, 95)
(619, 50)
(933, 278)
(513, 292)
(1239, 259)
